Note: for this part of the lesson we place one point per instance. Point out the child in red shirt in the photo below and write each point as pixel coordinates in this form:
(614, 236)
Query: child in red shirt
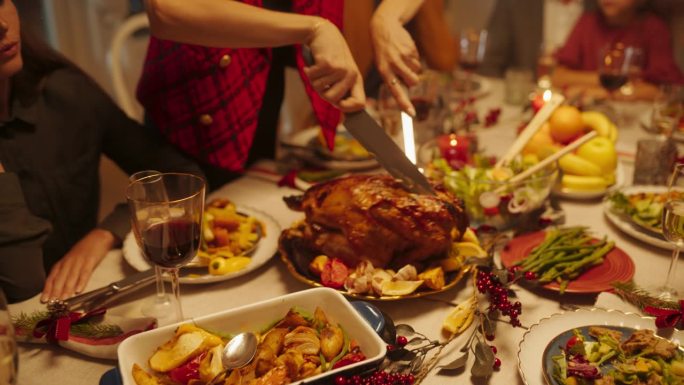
(618, 21)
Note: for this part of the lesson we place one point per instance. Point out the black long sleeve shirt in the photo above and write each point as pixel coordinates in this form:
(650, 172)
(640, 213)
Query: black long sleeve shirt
(50, 149)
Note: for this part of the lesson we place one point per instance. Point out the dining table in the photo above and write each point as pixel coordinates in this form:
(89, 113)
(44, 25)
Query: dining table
(47, 364)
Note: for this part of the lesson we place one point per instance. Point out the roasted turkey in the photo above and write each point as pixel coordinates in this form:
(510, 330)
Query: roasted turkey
(375, 218)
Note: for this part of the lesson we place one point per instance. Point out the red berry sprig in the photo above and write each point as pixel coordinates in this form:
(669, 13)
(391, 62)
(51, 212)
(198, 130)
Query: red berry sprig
(488, 283)
(379, 377)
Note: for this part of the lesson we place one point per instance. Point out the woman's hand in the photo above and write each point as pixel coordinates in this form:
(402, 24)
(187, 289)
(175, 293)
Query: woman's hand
(334, 74)
(396, 57)
(70, 275)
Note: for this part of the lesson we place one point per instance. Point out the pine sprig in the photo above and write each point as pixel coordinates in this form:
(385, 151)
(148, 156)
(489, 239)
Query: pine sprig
(92, 330)
(95, 330)
(26, 321)
(640, 298)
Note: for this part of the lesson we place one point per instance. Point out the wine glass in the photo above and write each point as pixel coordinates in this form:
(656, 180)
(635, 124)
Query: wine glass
(166, 211)
(9, 359)
(428, 99)
(668, 108)
(673, 228)
(472, 45)
(617, 64)
(160, 305)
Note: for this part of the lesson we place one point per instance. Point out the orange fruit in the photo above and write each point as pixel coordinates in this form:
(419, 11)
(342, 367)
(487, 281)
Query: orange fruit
(566, 124)
(539, 140)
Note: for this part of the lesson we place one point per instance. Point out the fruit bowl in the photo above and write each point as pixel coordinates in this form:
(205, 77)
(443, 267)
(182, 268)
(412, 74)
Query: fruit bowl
(589, 171)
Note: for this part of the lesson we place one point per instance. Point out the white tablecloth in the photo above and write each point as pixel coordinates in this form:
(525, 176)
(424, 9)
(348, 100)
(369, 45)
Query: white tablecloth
(47, 365)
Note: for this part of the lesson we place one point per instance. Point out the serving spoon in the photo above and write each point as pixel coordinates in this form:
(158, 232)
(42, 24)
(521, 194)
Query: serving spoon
(237, 353)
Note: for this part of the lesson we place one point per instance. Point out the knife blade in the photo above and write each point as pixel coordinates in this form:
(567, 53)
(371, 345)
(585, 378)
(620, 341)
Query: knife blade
(386, 152)
(374, 138)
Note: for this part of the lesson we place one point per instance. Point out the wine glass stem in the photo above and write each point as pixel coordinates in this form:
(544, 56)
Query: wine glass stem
(161, 290)
(673, 267)
(175, 290)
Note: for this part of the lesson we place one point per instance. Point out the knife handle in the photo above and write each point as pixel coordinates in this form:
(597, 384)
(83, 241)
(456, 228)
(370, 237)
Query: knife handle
(86, 299)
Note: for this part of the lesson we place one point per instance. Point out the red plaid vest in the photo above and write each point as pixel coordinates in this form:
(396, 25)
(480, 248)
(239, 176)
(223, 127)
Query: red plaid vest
(206, 101)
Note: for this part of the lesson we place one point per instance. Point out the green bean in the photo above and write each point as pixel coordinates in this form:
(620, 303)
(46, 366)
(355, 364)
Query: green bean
(564, 255)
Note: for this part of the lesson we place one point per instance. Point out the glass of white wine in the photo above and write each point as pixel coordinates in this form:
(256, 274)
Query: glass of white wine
(673, 229)
(9, 359)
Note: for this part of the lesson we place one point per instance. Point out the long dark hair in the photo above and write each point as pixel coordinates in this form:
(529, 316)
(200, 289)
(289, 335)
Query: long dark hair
(40, 60)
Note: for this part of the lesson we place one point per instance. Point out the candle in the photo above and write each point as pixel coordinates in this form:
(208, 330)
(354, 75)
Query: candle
(456, 149)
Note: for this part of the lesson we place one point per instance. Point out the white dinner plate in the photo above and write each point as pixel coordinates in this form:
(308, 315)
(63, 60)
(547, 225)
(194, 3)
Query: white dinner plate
(563, 192)
(531, 348)
(302, 147)
(631, 228)
(265, 249)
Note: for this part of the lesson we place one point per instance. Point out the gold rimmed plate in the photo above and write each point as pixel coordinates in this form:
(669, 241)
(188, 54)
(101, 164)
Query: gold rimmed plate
(531, 356)
(297, 257)
(554, 348)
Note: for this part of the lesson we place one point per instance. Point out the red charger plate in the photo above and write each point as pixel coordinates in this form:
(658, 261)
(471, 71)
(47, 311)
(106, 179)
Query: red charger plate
(617, 266)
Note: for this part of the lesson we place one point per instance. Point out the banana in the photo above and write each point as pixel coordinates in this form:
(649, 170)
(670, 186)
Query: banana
(613, 132)
(610, 178)
(597, 121)
(584, 183)
(600, 123)
(460, 318)
(573, 164)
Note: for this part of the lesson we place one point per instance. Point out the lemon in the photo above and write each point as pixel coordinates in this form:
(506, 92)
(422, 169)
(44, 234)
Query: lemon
(470, 249)
(470, 236)
(461, 317)
(400, 287)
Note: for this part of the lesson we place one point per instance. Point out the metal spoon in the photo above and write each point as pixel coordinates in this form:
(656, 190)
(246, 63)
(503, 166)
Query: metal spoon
(238, 352)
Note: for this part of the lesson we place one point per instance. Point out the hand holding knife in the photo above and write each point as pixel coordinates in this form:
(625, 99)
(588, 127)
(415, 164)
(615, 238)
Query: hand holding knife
(375, 140)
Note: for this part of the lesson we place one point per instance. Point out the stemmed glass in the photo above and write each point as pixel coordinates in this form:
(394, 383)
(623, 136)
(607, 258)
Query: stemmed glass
(166, 212)
(667, 110)
(673, 228)
(160, 305)
(613, 68)
(9, 359)
(617, 64)
(472, 46)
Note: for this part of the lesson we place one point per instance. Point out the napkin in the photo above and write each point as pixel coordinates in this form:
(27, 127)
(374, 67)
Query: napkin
(609, 301)
(90, 346)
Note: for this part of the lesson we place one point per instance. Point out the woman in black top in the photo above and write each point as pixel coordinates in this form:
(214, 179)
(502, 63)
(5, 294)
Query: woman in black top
(55, 123)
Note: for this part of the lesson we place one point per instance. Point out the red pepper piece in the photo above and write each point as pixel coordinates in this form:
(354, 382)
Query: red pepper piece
(334, 274)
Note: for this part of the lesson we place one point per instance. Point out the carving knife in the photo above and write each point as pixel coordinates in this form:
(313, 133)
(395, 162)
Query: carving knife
(374, 138)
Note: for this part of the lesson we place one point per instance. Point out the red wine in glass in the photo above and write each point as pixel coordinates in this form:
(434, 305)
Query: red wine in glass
(469, 65)
(171, 243)
(612, 82)
(422, 107)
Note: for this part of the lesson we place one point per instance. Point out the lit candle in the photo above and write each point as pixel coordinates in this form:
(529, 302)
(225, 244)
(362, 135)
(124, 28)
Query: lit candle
(455, 149)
